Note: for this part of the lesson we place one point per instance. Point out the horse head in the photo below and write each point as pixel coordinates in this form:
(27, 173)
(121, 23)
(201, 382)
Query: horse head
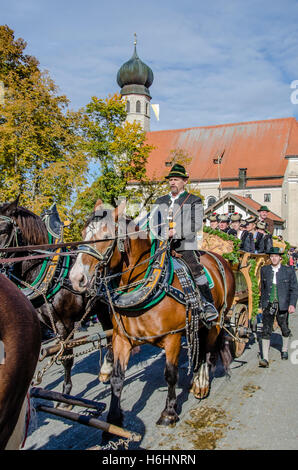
(8, 225)
(105, 227)
(20, 226)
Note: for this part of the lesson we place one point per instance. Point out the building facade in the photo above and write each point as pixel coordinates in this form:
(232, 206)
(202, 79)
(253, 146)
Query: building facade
(256, 160)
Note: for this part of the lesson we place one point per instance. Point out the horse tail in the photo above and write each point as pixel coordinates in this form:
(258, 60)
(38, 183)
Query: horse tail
(225, 352)
(222, 350)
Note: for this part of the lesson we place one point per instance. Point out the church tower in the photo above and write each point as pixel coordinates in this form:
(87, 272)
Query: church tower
(135, 78)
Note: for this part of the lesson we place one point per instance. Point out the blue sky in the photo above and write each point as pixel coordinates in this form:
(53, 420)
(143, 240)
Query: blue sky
(213, 62)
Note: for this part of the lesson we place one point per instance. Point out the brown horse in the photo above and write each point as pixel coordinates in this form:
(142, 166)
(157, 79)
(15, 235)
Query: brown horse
(20, 342)
(163, 323)
(21, 227)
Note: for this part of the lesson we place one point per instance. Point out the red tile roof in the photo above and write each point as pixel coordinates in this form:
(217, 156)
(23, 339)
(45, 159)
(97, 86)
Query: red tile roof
(259, 146)
(255, 206)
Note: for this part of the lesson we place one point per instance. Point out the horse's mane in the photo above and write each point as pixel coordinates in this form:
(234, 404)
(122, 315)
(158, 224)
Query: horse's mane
(33, 229)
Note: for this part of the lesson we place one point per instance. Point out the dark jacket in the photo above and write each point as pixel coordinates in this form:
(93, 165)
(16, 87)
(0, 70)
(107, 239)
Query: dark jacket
(268, 242)
(260, 243)
(231, 231)
(247, 240)
(188, 219)
(269, 225)
(287, 287)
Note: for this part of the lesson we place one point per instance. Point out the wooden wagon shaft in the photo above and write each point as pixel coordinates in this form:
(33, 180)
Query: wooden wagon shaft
(51, 350)
(93, 422)
(37, 392)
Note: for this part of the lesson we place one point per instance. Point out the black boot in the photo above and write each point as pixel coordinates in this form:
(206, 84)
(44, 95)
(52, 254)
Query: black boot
(210, 312)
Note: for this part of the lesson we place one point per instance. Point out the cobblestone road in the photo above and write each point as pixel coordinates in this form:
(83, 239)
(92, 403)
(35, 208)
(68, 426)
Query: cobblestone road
(254, 409)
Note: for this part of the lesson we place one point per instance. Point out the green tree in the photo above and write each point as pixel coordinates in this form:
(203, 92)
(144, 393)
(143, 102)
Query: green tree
(120, 152)
(41, 151)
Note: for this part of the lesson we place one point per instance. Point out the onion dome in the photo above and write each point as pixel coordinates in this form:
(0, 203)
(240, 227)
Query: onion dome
(134, 76)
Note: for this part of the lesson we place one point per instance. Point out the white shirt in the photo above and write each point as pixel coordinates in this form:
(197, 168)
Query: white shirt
(275, 270)
(173, 198)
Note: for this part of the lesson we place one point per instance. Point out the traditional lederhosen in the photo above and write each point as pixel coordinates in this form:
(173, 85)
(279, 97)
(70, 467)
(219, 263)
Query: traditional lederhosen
(272, 309)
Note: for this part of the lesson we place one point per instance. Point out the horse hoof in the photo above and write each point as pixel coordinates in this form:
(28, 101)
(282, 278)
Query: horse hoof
(167, 420)
(199, 393)
(104, 378)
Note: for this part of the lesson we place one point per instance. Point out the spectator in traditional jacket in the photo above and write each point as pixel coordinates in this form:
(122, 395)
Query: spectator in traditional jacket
(263, 241)
(259, 238)
(263, 217)
(235, 221)
(279, 291)
(223, 222)
(251, 228)
(213, 221)
(247, 241)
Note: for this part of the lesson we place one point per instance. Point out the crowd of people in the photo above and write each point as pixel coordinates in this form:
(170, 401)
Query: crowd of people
(278, 287)
(293, 258)
(254, 232)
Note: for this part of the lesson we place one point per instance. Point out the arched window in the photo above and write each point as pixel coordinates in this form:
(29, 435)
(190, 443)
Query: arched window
(147, 109)
(211, 201)
(138, 107)
(128, 106)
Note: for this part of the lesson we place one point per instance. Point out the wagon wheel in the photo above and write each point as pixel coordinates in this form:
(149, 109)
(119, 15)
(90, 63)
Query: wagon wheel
(241, 320)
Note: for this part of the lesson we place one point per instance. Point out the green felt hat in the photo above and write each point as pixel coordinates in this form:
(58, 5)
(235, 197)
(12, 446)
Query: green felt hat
(223, 218)
(235, 217)
(263, 208)
(177, 170)
(213, 217)
(275, 250)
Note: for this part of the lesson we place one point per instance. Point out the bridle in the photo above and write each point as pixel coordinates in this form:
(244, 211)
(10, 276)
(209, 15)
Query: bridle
(104, 258)
(13, 236)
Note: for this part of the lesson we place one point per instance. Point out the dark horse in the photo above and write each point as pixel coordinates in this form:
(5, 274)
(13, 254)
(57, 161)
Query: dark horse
(20, 342)
(21, 227)
(161, 324)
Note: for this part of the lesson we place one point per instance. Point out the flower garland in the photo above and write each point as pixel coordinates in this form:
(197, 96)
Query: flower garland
(233, 256)
(255, 288)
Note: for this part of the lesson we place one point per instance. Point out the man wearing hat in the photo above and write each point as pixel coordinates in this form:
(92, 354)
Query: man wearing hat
(234, 229)
(213, 221)
(279, 291)
(180, 214)
(247, 242)
(263, 241)
(251, 229)
(263, 217)
(223, 222)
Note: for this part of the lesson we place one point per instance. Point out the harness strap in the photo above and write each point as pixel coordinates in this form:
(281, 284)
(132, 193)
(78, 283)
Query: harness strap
(223, 275)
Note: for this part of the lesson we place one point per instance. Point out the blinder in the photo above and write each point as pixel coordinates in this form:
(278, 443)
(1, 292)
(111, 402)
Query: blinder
(15, 232)
(105, 257)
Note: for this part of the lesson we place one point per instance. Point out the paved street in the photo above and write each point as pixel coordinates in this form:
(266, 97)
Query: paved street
(253, 409)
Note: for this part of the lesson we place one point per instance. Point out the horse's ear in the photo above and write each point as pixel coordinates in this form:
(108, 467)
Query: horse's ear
(12, 207)
(97, 204)
(119, 211)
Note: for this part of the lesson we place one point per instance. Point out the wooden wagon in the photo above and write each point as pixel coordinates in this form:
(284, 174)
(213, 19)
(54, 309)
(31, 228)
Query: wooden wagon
(241, 319)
